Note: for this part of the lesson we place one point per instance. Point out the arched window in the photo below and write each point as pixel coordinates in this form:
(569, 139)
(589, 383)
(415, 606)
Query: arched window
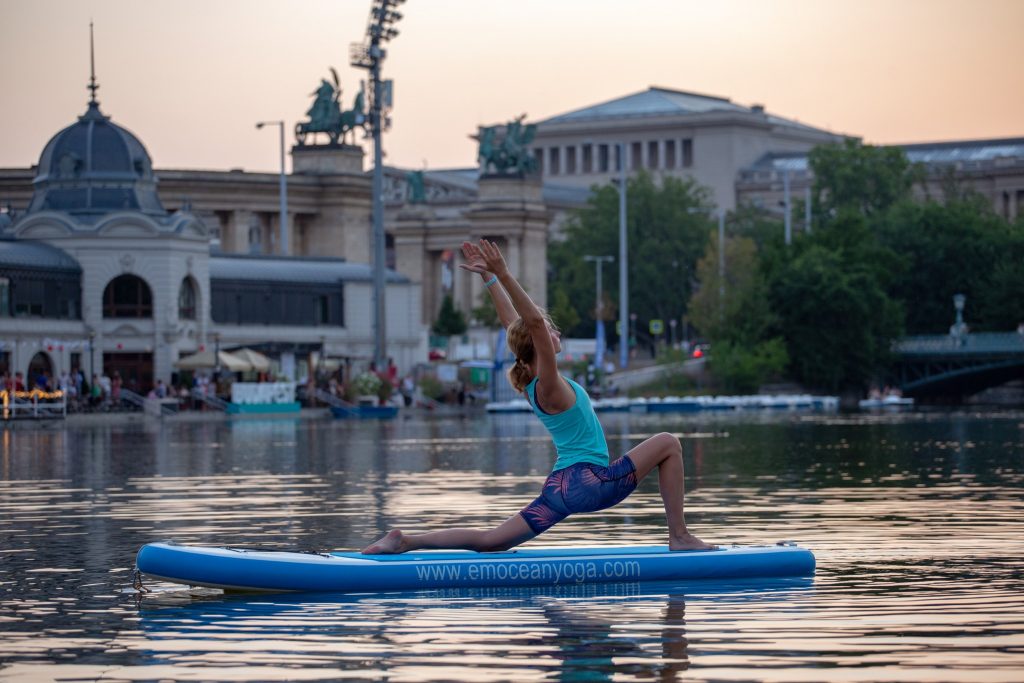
(40, 372)
(127, 296)
(187, 300)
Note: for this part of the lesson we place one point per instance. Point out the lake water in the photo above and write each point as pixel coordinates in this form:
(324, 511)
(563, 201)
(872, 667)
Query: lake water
(917, 522)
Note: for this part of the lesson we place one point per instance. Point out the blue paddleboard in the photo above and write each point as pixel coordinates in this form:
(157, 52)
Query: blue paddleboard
(261, 570)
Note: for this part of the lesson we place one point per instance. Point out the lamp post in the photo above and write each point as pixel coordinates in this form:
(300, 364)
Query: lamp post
(721, 265)
(959, 329)
(370, 55)
(283, 188)
(599, 261)
(786, 204)
(92, 353)
(623, 261)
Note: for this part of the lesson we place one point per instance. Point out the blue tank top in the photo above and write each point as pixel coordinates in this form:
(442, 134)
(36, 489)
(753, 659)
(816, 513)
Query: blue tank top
(576, 432)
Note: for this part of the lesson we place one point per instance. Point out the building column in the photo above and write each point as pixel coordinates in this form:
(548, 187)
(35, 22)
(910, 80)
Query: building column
(234, 237)
(514, 254)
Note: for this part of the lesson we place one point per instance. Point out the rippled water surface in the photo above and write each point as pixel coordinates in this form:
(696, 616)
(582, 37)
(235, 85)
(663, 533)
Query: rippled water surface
(917, 522)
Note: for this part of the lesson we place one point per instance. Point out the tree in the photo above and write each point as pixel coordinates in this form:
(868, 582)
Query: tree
(561, 310)
(667, 227)
(736, 316)
(486, 313)
(837, 320)
(450, 320)
(862, 178)
(737, 309)
(956, 247)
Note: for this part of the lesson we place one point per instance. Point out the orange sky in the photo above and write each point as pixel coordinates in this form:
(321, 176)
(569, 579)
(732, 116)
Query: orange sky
(191, 77)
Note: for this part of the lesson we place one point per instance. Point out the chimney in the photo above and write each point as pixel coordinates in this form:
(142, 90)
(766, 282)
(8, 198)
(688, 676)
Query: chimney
(757, 109)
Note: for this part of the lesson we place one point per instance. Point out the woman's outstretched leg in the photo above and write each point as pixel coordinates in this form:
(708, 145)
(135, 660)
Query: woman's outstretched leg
(508, 534)
(665, 452)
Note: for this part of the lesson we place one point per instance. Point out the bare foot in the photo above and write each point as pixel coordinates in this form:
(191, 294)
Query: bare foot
(688, 541)
(389, 544)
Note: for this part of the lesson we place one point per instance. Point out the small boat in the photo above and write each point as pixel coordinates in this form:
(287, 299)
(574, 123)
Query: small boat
(364, 412)
(887, 402)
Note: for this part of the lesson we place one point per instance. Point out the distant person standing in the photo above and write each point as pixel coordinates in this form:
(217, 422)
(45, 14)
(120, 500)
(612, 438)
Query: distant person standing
(115, 387)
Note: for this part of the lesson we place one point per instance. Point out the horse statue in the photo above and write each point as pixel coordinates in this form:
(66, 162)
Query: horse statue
(354, 118)
(512, 155)
(326, 115)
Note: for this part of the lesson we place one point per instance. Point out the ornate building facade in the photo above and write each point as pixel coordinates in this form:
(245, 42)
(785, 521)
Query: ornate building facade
(106, 263)
(96, 273)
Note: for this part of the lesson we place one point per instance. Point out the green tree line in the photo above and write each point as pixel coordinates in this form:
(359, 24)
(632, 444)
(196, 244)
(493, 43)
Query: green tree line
(877, 262)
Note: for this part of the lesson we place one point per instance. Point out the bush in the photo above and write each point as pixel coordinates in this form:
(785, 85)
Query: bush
(742, 369)
(432, 388)
(367, 384)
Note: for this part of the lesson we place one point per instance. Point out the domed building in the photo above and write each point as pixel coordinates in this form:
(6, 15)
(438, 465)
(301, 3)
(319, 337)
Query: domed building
(96, 274)
(143, 292)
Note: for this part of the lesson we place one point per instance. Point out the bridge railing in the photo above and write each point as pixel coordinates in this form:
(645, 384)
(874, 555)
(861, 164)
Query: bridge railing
(979, 343)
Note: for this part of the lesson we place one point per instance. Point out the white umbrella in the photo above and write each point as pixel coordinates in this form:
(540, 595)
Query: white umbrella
(255, 359)
(205, 360)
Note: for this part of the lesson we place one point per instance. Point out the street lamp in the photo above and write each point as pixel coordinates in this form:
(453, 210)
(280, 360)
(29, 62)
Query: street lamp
(959, 328)
(721, 264)
(599, 310)
(370, 55)
(623, 260)
(284, 187)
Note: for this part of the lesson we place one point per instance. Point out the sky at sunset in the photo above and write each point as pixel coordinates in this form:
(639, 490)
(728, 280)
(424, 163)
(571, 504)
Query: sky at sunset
(191, 78)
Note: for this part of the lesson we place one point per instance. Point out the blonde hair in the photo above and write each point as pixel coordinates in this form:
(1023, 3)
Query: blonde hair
(520, 343)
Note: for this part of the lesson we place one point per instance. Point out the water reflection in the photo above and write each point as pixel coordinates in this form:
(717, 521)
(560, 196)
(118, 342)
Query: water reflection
(916, 521)
(582, 632)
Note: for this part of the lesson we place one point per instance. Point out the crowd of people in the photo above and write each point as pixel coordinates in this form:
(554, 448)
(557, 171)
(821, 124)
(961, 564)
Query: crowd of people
(80, 393)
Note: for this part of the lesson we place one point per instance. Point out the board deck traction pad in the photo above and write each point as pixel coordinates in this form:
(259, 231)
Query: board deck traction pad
(275, 570)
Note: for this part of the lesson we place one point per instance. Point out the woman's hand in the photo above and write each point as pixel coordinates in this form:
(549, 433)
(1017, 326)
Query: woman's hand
(493, 259)
(474, 259)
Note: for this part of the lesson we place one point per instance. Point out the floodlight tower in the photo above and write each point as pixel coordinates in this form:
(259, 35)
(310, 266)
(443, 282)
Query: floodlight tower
(370, 55)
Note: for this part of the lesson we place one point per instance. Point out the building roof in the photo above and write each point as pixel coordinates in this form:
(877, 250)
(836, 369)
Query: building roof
(94, 167)
(36, 256)
(664, 102)
(964, 152)
(292, 269)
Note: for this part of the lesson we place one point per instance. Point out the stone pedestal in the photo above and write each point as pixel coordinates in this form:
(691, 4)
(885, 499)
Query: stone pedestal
(326, 159)
(341, 228)
(511, 211)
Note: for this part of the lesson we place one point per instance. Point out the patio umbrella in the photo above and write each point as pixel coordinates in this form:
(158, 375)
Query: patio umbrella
(204, 360)
(255, 359)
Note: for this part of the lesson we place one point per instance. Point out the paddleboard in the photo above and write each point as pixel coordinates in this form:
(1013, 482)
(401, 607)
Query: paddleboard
(241, 569)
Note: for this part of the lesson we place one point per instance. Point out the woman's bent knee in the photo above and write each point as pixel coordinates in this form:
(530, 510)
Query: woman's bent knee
(670, 443)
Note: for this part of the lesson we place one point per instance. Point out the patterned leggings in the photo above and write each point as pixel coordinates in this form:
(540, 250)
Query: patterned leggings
(583, 487)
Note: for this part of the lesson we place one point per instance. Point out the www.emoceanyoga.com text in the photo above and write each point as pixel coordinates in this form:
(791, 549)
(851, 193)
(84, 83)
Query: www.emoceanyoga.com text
(546, 572)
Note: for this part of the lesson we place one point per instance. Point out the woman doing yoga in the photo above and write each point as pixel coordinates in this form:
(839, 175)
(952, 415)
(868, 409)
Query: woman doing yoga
(582, 479)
